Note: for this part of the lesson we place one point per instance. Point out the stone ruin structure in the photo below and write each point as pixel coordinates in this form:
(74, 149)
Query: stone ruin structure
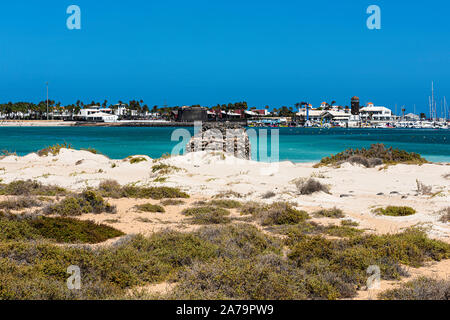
(230, 138)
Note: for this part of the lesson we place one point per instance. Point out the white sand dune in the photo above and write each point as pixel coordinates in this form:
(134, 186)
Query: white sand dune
(353, 188)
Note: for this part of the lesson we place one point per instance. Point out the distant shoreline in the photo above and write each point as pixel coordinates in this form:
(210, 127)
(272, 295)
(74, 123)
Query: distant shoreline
(58, 123)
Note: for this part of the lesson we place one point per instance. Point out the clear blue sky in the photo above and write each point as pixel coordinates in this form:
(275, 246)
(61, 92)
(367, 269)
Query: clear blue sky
(215, 51)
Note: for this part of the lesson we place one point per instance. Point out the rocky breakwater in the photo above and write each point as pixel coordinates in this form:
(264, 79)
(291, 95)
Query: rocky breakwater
(229, 138)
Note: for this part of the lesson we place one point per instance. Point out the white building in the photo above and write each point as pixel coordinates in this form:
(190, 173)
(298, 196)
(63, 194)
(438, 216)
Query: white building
(102, 117)
(375, 113)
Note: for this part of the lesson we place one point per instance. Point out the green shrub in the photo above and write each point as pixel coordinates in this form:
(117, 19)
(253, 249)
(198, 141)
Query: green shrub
(156, 193)
(53, 150)
(61, 230)
(373, 156)
(343, 231)
(39, 270)
(148, 207)
(349, 259)
(445, 215)
(422, 288)
(112, 189)
(260, 278)
(310, 186)
(29, 188)
(137, 160)
(277, 213)
(395, 211)
(172, 202)
(164, 169)
(89, 201)
(69, 230)
(268, 195)
(221, 203)
(329, 213)
(19, 203)
(207, 215)
(241, 241)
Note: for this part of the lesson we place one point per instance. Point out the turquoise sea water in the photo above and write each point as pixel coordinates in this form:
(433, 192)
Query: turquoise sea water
(295, 144)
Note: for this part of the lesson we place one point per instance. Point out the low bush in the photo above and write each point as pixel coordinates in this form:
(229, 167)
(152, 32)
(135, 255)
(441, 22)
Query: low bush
(53, 150)
(156, 193)
(164, 169)
(277, 213)
(172, 202)
(61, 230)
(310, 186)
(148, 207)
(134, 160)
(423, 188)
(207, 215)
(343, 231)
(422, 288)
(260, 278)
(39, 270)
(88, 201)
(268, 195)
(239, 241)
(30, 188)
(221, 203)
(445, 215)
(112, 189)
(395, 211)
(228, 194)
(19, 203)
(375, 155)
(329, 213)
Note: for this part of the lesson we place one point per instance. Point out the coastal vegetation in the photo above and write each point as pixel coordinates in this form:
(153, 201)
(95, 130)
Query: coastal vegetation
(207, 215)
(422, 288)
(89, 201)
(31, 188)
(57, 229)
(172, 202)
(445, 215)
(134, 160)
(112, 189)
(221, 203)
(277, 213)
(423, 188)
(53, 150)
(329, 213)
(164, 169)
(19, 203)
(395, 211)
(376, 155)
(148, 207)
(307, 186)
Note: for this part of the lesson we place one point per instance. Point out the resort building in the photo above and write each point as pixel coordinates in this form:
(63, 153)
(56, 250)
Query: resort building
(375, 113)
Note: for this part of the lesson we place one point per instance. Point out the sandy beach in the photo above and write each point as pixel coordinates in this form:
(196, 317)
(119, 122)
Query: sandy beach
(353, 188)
